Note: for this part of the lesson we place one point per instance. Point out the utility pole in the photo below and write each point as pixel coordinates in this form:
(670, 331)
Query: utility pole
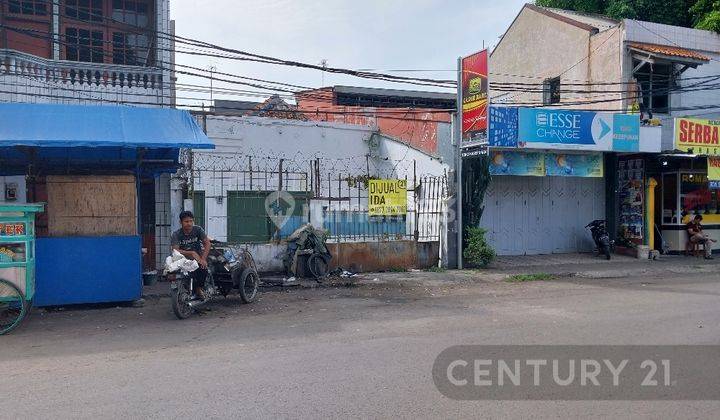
(212, 70)
(457, 133)
(324, 64)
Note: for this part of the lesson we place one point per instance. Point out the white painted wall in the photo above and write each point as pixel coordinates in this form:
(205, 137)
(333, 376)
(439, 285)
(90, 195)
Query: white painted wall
(342, 149)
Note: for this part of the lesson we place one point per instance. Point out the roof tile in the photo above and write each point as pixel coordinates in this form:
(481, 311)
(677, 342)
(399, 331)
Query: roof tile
(668, 50)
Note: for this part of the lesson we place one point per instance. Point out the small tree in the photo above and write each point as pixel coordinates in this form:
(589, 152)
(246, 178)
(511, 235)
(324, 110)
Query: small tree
(478, 252)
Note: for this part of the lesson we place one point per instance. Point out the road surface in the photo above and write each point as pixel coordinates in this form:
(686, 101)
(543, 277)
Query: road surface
(361, 350)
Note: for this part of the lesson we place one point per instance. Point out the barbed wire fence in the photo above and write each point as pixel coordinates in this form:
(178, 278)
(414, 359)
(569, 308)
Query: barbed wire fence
(332, 194)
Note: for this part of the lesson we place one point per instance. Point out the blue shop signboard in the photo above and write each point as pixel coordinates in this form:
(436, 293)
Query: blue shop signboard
(577, 130)
(503, 127)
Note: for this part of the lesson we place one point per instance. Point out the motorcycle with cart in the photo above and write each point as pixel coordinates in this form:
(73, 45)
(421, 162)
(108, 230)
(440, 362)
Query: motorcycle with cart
(229, 269)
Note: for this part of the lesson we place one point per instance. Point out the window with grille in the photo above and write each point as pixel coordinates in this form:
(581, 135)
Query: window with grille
(84, 45)
(656, 82)
(28, 7)
(131, 12)
(130, 49)
(84, 10)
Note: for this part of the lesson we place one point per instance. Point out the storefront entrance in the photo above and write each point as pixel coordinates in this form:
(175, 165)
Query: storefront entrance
(530, 215)
(686, 193)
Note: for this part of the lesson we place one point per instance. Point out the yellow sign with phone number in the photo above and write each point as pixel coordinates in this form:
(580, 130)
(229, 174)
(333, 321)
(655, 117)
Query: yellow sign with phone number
(387, 197)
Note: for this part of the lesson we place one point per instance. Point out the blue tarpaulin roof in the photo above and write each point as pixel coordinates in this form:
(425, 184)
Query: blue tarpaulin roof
(94, 126)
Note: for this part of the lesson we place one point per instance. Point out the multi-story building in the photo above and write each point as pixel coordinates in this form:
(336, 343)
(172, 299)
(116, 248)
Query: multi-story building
(571, 61)
(93, 52)
(86, 51)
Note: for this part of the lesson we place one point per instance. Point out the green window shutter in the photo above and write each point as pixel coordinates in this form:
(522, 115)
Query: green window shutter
(247, 219)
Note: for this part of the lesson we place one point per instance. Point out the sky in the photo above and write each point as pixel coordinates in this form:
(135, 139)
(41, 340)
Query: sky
(382, 35)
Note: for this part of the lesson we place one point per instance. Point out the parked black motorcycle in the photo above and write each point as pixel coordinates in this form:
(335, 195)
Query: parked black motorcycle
(600, 236)
(227, 271)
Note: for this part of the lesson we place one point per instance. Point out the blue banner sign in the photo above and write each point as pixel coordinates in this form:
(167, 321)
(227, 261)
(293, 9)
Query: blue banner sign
(517, 163)
(503, 127)
(505, 162)
(585, 166)
(573, 130)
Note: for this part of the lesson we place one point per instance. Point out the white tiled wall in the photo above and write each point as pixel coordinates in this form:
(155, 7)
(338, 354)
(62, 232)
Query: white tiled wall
(656, 33)
(162, 218)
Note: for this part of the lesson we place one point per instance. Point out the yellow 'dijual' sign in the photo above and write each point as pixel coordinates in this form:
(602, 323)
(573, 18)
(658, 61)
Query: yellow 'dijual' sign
(387, 197)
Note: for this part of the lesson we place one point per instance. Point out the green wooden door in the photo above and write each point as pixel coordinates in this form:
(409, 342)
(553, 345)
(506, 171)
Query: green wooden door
(199, 208)
(247, 219)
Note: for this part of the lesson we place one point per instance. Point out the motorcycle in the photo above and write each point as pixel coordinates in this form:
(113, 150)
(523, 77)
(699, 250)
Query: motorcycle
(601, 237)
(227, 271)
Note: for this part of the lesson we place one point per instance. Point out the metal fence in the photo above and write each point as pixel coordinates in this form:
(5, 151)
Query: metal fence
(259, 199)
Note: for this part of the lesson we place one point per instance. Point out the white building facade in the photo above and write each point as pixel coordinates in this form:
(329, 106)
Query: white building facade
(323, 169)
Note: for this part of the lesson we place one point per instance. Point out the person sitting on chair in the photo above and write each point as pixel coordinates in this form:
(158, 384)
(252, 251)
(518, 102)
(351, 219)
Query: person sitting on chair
(697, 236)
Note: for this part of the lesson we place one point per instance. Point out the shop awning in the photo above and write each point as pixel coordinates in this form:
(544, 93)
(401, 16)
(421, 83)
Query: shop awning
(668, 53)
(67, 139)
(96, 126)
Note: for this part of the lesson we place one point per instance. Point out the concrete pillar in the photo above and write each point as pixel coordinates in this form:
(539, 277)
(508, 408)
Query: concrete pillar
(176, 202)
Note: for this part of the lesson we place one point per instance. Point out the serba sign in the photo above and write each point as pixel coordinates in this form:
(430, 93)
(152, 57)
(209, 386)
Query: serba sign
(698, 132)
(697, 136)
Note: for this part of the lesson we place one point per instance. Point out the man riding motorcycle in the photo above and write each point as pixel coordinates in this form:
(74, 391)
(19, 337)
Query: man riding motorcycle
(193, 243)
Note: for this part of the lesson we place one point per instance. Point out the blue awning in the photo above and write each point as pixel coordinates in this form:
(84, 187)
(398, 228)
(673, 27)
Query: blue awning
(95, 126)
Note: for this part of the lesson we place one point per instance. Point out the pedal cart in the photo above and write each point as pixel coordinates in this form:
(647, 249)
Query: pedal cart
(17, 263)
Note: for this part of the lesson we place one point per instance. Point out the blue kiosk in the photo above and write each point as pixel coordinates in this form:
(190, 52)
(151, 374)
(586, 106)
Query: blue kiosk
(95, 168)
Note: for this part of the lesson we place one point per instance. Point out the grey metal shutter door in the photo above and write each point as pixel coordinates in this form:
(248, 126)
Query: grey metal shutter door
(542, 215)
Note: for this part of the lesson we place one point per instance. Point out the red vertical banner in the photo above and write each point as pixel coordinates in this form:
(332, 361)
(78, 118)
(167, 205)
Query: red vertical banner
(475, 96)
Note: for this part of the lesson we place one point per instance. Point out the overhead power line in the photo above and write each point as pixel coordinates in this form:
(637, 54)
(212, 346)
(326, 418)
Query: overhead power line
(286, 88)
(263, 58)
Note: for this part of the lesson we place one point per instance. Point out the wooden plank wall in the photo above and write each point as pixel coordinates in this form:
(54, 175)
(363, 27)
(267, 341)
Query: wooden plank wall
(92, 205)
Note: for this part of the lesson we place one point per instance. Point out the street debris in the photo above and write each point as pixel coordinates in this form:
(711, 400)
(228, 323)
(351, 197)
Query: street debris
(307, 255)
(341, 272)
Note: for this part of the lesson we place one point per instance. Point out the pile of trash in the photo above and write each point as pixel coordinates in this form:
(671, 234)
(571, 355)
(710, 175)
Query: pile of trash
(307, 255)
(178, 262)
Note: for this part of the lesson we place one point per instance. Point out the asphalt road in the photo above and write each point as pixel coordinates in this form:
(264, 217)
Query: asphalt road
(362, 351)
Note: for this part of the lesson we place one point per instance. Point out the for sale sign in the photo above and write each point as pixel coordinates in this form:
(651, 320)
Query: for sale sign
(387, 197)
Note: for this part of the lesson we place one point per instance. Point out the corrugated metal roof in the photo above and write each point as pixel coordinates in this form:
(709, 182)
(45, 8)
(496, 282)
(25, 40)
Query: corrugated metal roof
(394, 92)
(668, 50)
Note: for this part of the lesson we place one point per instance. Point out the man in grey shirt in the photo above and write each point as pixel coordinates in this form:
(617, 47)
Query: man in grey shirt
(193, 243)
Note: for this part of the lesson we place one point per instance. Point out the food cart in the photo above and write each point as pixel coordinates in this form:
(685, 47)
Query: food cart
(17, 263)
